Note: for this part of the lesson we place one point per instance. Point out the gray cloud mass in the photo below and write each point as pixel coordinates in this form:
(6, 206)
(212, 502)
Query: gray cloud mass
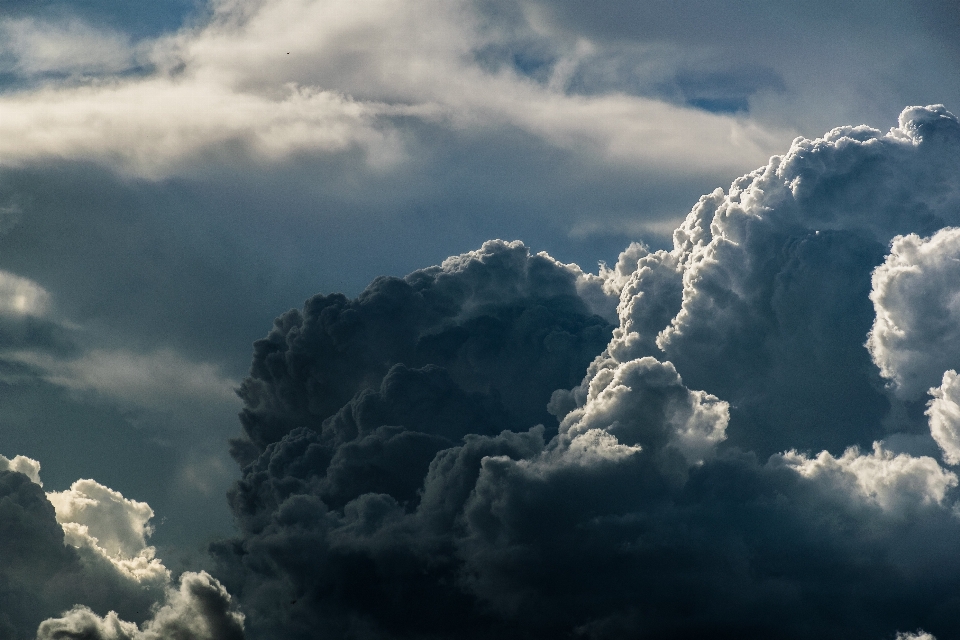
(427, 461)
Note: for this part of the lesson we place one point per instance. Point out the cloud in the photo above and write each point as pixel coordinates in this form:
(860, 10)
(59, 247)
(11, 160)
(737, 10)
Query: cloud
(32, 555)
(502, 322)
(917, 300)
(396, 481)
(21, 297)
(944, 413)
(644, 403)
(410, 132)
(369, 481)
(22, 464)
(285, 77)
(139, 379)
(86, 548)
(42, 572)
(776, 275)
(892, 481)
(148, 126)
(200, 609)
(99, 519)
(63, 48)
(165, 400)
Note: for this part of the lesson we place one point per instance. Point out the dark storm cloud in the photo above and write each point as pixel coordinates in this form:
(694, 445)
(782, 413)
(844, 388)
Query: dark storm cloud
(499, 321)
(397, 486)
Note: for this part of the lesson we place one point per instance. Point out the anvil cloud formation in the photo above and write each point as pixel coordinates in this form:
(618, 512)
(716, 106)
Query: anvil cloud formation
(747, 425)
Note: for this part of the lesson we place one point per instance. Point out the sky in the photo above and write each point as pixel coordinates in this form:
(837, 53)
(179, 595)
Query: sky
(479, 318)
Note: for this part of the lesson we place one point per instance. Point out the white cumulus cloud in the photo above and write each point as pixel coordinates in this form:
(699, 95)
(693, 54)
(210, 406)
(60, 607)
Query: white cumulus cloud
(22, 464)
(100, 521)
(916, 295)
(893, 481)
(944, 414)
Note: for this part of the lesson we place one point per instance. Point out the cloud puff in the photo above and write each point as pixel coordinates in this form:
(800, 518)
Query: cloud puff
(894, 482)
(916, 295)
(85, 549)
(22, 464)
(200, 609)
(396, 482)
(644, 403)
(100, 521)
(944, 414)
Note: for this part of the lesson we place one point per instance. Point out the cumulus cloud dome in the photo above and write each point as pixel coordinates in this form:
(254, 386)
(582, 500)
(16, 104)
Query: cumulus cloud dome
(475, 451)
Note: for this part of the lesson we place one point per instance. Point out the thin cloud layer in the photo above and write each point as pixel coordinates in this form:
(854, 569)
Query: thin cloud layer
(396, 482)
(64, 48)
(140, 380)
(279, 78)
(21, 297)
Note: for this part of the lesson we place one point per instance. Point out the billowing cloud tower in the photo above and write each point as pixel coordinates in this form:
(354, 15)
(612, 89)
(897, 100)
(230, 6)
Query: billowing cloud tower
(753, 453)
